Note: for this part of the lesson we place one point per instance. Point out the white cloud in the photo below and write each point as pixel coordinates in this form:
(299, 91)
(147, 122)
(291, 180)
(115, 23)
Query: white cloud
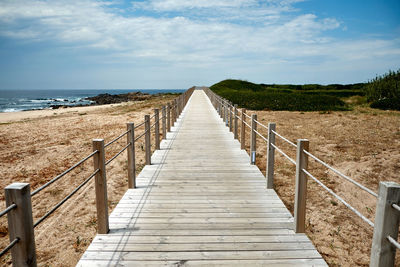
(92, 24)
(272, 32)
(173, 5)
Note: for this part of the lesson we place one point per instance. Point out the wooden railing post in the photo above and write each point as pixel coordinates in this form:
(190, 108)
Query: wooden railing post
(168, 118)
(157, 128)
(173, 113)
(147, 139)
(235, 127)
(226, 114)
(230, 118)
(101, 186)
(176, 114)
(386, 224)
(224, 111)
(131, 155)
(253, 144)
(181, 101)
(20, 224)
(269, 173)
(243, 130)
(180, 105)
(220, 108)
(301, 187)
(164, 122)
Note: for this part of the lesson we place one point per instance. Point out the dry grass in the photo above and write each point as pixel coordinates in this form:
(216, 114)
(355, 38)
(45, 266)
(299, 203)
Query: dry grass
(35, 150)
(364, 144)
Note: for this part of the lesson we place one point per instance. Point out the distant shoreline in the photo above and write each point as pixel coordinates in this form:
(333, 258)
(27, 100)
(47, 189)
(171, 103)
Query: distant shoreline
(31, 100)
(15, 116)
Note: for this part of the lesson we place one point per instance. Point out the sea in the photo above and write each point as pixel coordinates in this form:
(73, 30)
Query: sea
(33, 99)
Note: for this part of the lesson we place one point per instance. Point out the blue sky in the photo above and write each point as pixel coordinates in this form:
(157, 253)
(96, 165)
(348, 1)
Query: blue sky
(89, 44)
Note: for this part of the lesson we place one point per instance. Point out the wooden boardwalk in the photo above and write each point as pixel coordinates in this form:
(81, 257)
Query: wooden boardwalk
(201, 203)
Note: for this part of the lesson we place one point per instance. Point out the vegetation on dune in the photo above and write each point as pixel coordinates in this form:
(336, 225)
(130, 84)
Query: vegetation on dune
(312, 97)
(384, 91)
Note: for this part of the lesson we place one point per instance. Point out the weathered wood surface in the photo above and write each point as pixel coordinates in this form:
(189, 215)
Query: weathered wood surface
(201, 203)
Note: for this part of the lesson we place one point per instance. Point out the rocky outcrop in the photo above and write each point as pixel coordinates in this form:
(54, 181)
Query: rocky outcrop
(103, 99)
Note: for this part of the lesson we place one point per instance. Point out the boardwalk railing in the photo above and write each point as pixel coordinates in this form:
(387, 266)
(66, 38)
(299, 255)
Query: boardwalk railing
(386, 225)
(18, 195)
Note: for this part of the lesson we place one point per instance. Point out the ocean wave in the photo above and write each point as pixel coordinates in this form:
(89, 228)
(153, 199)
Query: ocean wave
(39, 100)
(10, 110)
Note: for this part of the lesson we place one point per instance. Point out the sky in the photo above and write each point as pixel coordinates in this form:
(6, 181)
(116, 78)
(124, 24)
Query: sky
(93, 44)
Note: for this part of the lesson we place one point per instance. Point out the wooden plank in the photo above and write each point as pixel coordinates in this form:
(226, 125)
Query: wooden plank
(171, 215)
(205, 220)
(137, 239)
(270, 198)
(200, 232)
(256, 263)
(167, 247)
(202, 255)
(217, 212)
(201, 201)
(194, 226)
(203, 206)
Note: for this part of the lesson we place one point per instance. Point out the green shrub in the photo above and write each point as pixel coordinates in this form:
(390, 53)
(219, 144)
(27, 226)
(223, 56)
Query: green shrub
(337, 93)
(385, 86)
(263, 97)
(387, 103)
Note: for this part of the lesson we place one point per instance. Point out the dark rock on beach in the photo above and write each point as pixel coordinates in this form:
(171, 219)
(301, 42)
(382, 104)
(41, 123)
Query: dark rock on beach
(103, 99)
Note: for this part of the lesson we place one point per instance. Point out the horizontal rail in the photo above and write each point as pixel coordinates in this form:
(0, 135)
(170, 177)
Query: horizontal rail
(262, 125)
(140, 124)
(396, 207)
(280, 136)
(116, 139)
(8, 209)
(10, 246)
(247, 116)
(65, 199)
(284, 154)
(62, 174)
(284, 139)
(365, 219)
(393, 242)
(140, 136)
(119, 153)
(248, 125)
(259, 134)
(341, 174)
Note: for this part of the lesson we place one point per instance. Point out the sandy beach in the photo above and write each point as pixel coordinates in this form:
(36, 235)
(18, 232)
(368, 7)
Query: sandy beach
(7, 117)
